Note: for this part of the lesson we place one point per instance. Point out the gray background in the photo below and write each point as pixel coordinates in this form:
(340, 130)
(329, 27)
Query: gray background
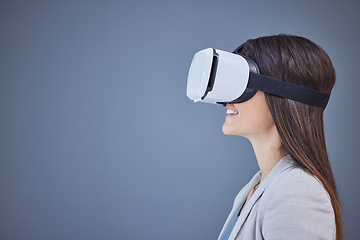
(98, 139)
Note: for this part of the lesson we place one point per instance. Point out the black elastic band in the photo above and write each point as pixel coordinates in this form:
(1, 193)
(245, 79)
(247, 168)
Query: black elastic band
(288, 90)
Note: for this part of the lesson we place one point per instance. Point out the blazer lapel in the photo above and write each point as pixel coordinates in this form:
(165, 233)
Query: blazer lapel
(240, 199)
(281, 166)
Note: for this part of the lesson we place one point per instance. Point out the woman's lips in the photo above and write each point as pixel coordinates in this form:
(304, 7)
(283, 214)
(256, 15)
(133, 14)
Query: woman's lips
(231, 113)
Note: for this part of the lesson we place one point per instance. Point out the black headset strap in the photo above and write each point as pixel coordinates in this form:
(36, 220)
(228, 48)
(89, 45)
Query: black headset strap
(288, 90)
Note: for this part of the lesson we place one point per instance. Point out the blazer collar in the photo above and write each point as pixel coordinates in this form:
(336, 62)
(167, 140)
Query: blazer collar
(285, 163)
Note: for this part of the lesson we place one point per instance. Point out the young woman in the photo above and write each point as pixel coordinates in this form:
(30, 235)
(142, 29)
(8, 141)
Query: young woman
(293, 196)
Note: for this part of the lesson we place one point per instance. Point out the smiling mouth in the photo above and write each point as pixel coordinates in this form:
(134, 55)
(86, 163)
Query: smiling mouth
(230, 111)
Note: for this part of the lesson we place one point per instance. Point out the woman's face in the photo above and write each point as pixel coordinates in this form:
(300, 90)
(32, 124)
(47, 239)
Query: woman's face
(249, 119)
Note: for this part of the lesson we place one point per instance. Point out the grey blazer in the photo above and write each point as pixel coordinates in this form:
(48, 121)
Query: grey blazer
(288, 204)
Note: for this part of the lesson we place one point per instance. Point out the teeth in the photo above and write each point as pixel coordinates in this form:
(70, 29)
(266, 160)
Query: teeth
(230, 111)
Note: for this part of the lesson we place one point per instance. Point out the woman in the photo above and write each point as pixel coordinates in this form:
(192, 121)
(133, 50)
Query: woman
(293, 196)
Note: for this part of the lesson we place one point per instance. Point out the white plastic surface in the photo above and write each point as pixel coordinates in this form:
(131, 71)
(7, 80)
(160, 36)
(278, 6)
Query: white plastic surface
(199, 73)
(230, 81)
(231, 78)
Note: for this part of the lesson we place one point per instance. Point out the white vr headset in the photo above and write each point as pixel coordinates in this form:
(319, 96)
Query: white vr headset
(222, 77)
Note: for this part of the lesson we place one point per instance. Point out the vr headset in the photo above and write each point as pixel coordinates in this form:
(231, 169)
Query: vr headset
(217, 76)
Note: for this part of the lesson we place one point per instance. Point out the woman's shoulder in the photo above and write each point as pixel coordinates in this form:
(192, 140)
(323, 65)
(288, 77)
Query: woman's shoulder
(297, 190)
(295, 182)
(296, 201)
(294, 179)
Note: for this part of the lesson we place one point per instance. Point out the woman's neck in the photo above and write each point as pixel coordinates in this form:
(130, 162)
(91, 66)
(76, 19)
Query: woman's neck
(268, 151)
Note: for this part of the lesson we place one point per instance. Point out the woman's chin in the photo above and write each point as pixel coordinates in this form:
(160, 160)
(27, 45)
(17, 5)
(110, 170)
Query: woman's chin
(229, 129)
(226, 129)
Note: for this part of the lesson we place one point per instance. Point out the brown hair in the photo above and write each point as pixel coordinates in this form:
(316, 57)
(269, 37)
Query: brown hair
(298, 60)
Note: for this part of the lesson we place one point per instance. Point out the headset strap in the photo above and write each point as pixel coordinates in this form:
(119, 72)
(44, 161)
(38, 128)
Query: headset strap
(288, 90)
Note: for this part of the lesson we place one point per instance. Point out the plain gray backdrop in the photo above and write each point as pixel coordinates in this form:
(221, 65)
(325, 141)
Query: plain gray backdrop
(98, 139)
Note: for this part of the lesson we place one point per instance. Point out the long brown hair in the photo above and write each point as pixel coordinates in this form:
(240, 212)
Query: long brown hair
(298, 60)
